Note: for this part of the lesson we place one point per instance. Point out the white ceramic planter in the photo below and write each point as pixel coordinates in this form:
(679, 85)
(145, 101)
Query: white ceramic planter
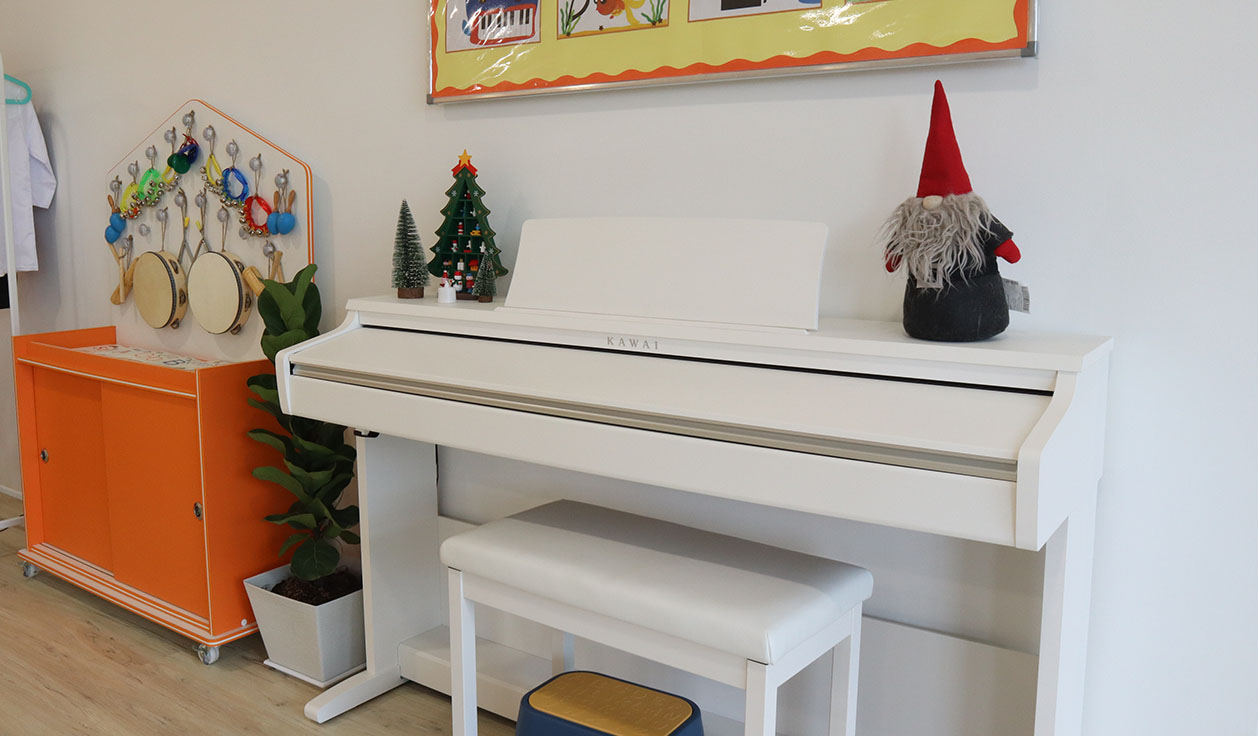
(319, 644)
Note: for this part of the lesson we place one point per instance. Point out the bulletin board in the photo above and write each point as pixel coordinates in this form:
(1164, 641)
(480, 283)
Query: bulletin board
(496, 48)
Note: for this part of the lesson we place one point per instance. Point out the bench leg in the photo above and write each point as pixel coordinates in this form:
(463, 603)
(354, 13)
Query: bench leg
(462, 658)
(844, 674)
(761, 710)
(563, 652)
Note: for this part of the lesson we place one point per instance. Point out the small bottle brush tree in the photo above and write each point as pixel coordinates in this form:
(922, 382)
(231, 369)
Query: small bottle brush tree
(486, 287)
(318, 465)
(410, 271)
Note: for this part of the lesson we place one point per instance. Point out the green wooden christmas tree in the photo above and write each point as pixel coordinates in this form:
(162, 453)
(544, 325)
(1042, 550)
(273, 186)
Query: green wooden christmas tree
(409, 274)
(486, 286)
(465, 241)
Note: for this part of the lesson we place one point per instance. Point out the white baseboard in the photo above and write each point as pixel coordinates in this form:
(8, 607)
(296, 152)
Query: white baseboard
(6, 491)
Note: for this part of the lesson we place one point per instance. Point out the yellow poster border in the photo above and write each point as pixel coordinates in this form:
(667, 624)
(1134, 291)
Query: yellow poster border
(812, 40)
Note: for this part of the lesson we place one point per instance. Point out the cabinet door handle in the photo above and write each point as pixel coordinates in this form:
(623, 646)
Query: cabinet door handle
(196, 509)
(43, 455)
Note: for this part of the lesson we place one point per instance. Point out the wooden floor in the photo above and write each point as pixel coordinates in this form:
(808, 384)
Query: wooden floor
(71, 663)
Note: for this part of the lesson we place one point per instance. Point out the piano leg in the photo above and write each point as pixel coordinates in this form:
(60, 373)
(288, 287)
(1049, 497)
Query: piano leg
(1064, 624)
(350, 693)
(402, 574)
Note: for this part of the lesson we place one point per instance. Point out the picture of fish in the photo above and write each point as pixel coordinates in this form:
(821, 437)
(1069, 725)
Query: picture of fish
(610, 15)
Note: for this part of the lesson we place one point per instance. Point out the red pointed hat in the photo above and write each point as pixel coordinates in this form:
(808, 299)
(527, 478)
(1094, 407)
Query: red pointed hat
(943, 171)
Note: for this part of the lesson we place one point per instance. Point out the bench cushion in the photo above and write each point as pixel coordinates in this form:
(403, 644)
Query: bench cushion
(736, 596)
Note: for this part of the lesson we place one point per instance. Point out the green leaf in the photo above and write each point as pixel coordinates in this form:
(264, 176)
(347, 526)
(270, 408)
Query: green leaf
(279, 477)
(267, 437)
(263, 380)
(301, 282)
(273, 344)
(313, 304)
(315, 559)
(321, 510)
(315, 450)
(269, 395)
(272, 409)
(270, 311)
(310, 481)
(347, 517)
(294, 539)
(296, 521)
(331, 435)
(350, 538)
(291, 310)
(329, 492)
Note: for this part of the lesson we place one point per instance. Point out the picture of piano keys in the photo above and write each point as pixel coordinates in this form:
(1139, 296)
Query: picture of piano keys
(478, 24)
(710, 9)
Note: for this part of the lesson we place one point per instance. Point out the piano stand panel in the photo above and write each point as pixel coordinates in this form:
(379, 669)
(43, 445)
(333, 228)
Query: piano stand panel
(402, 574)
(1064, 624)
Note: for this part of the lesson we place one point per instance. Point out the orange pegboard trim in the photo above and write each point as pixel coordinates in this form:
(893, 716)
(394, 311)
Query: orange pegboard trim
(916, 50)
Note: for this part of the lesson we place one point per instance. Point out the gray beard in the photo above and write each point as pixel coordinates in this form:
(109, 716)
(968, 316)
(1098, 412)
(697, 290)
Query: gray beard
(937, 246)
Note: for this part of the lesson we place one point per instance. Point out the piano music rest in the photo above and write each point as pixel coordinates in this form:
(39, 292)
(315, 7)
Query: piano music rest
(999, 442)
(743, 614)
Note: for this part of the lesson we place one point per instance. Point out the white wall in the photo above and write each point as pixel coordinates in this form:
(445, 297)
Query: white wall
(1122, 158)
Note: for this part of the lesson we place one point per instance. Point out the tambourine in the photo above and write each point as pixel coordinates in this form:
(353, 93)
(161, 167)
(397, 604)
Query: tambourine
(161, 289)
(223, 292)
(222, 288)
(160, 285)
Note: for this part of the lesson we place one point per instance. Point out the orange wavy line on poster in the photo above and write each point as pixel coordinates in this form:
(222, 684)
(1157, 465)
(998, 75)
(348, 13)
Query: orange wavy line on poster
(965, 46)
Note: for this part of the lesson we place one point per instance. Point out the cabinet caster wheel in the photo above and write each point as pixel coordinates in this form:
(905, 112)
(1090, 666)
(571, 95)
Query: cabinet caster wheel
(207, 654)
(29, 570)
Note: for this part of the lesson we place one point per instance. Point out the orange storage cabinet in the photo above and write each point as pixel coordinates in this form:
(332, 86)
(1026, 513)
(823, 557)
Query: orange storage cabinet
(137, 482)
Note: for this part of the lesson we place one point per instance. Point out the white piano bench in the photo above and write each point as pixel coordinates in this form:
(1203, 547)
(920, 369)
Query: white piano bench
(741, 613)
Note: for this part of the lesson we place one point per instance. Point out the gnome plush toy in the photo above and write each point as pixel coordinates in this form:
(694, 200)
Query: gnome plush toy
(948, 242)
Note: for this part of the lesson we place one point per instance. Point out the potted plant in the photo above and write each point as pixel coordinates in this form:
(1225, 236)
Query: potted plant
(310, 611)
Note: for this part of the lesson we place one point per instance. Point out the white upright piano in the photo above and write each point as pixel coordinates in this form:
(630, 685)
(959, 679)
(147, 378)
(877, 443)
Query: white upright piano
(711, 381)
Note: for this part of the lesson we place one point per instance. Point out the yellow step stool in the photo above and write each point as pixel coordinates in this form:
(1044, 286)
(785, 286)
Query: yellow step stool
(590, 704)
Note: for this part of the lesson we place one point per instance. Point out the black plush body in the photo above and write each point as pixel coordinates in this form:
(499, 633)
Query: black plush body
(972, 307)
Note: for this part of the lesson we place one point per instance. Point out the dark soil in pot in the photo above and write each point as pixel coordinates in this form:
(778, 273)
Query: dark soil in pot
(315, 592)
